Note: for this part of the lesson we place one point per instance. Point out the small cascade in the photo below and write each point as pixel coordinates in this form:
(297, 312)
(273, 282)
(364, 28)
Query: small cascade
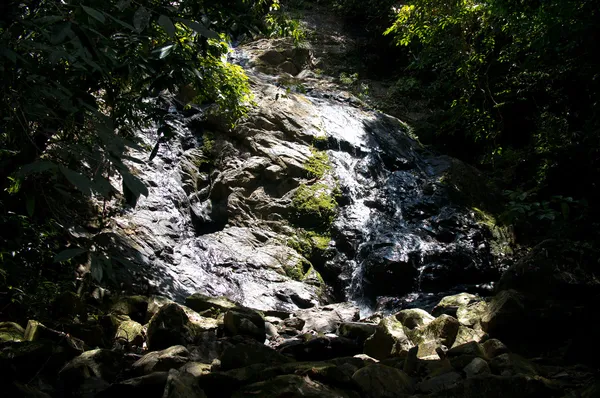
(222, 225)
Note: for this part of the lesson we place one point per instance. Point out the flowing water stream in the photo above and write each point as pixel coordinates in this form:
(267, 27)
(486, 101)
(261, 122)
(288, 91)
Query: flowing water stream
(402, 235)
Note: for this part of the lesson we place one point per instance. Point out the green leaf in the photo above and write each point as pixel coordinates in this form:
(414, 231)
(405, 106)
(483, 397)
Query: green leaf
(198, 27)
(154, 151)
(96, 268)
(39, 166)
(68, 254)
(164, 51)
(30, 204)
(60, 32)
(48, 19)
(103, 186)
(135, 185)
(141, 19)
(10, 54)
(123, 24)
(97, 15)
(80, 181)
(167, 25)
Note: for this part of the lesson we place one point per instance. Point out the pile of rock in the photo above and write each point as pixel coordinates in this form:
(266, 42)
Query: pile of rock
(213, 347)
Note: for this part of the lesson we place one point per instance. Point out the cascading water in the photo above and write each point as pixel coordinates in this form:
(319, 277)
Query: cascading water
(224, 229)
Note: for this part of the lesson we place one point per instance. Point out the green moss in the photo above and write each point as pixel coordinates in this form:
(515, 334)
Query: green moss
(314, 205)
(299, 270)
(318, 164)
(308, 242)
(502, 237)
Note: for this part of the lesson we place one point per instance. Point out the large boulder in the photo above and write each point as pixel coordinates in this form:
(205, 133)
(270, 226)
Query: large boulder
(321, 348)
(172, 325)
(245, 322)
(556, 269)
(466, 335)
(90, 371)
(130, 333)
(449, 305)
(506, 317)
(441, 331)
(250, 353)
(440, 382)
(161, 361)
(200, 302)
(291, 386)
(37, 331)
(182, 385)
(358, 331)
(559, 287)
(326, 319)
(381, 381)
(149, 386)
(414, 318)
(470, 315)
(135, 307)
(388, 340)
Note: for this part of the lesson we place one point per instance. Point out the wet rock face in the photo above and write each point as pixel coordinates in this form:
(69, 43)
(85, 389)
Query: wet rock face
(223, 205)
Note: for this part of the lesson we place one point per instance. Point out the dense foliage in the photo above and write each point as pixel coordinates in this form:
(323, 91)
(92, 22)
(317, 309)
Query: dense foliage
(514, 87)
(78, 79)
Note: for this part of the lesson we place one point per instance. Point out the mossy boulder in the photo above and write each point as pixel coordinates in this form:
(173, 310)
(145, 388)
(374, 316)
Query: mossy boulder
(466, 335)
(130, 333)
(291, 386)
(200, 303)
(494, 347)
(250, 353)
(37, 331)
(388, 340)
(414, 318)
(175, 325)
(358, 331)
(99, 364)
(182, 385)
(135, 307)
(470, 315)
(510, 364)
(381, 381)
(149, 386)
(449, 305)
(442, 330)
(245, 322)
(11, 332)
(162, 361)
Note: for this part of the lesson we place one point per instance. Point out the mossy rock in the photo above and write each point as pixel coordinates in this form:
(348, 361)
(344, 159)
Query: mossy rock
(130, 333)
(379, 380)
(388, 340)
(245, 322)
(289, 386)
(133, 306)
(450, 304)
(200, 302)
(414, 317)
(442, 330)
(11, 332)
(177, 325)
(317, 164)
(314, 205)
